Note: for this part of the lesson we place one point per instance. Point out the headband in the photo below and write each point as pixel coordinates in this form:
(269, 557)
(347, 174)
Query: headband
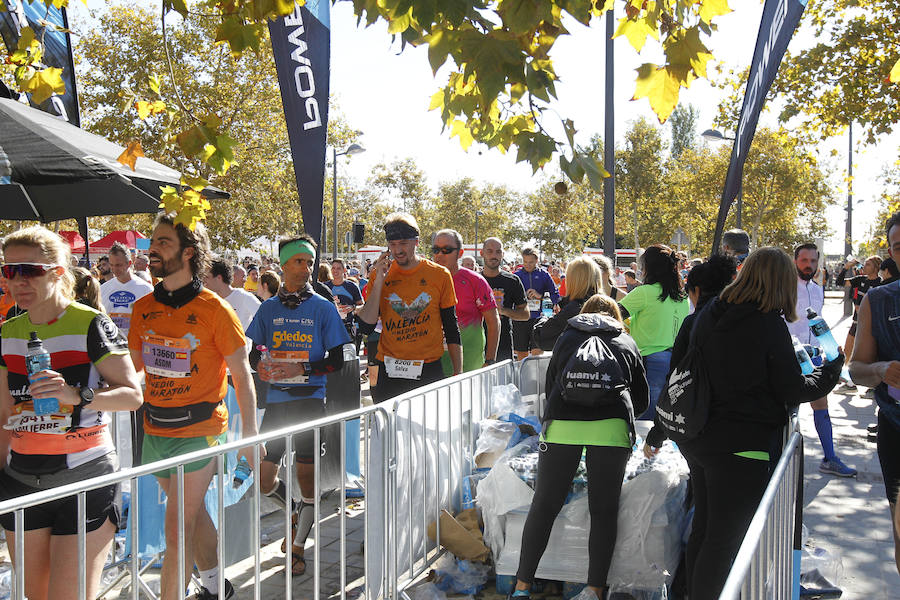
(295, 247)
(400, 230)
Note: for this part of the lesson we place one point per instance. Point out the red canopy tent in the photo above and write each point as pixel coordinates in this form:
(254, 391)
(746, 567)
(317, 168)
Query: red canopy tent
(126, 237)
(76, 242)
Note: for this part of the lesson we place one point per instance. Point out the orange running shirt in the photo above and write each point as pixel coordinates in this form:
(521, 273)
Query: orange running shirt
(183, 352)
(410, 310)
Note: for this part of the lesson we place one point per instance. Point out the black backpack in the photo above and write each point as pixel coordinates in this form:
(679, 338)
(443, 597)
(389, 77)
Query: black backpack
(592, 376)
(683, 404)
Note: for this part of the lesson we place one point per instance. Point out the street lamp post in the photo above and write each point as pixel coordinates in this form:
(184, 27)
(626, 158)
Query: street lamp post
(848, 234)
(713, 135)
(350, 151)
(478, 213)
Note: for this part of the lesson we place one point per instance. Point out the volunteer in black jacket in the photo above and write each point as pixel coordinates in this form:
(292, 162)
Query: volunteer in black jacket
(607, 433)
(583, 280)
(704, 283)
(755, 379)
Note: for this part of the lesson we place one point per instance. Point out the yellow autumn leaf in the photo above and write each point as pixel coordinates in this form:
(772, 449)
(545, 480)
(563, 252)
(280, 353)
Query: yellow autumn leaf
(686, 50)
(636, 31)
(710, 9)
(460, 130)
(43, 84)
(659, 87)
(130, 155)
(895, 73)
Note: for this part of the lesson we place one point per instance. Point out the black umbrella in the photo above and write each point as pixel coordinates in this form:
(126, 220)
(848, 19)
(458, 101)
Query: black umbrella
(59, 171)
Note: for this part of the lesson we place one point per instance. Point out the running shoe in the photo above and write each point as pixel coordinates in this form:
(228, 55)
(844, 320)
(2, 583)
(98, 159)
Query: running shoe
(205, 594)
(836, 467)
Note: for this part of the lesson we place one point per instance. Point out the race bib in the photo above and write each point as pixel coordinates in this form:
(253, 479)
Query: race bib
(290, 356)
(345, 309)
(534, 304)
(398, 368)
(24, 419)
(166, 357)
(122, 321)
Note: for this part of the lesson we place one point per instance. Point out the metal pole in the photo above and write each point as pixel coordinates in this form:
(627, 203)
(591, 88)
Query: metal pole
(848, 236)
(476, 235)
(334, 225)
(609, 147)
(740, 206)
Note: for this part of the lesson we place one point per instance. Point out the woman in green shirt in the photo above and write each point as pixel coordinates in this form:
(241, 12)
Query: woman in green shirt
(657, 309)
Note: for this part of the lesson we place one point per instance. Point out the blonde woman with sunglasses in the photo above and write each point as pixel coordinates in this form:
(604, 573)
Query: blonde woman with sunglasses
(90, 375)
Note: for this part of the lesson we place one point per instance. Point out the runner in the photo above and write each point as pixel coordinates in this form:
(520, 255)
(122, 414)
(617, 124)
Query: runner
(537, 282)
(304, 339)
(811, 295)
(858, 286)
(346, 294)
(509, 294)
(416, 302)
(736, 243)
(119, 294)
(140, 268)
(184, 336)
(72, 442)
(475, 305)
(252, 281)
(238, 276)
(219, 279)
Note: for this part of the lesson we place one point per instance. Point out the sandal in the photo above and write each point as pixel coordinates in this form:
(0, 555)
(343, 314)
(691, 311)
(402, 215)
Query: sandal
(293, 532)
(295, 560)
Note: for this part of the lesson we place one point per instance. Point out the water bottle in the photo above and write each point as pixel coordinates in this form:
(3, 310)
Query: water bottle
(241, 473)
(547, 305)
(813, 351)
(806, 365)
(820, 329)
(38, 359)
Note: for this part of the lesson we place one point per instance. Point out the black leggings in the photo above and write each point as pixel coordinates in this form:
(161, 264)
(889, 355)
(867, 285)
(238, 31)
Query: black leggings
(727, 492)
(557, 464)
(889, 456)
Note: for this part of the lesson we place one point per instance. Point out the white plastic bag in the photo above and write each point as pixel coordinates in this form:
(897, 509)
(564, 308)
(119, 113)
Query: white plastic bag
(505, 398)
(429, 591)
(493, 438)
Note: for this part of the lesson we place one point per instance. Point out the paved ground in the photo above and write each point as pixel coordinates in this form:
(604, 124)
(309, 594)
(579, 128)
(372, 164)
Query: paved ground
(850, 516)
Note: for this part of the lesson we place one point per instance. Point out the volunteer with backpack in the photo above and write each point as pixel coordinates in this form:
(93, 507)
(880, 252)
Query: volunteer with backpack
(595, 384)
(657, 309)
(749, 396)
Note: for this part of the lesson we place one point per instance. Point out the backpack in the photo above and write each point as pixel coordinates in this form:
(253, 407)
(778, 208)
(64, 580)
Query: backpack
(683, 404)
(592, 376)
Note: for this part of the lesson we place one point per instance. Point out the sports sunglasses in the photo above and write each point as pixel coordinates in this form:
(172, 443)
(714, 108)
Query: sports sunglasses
(26, 270)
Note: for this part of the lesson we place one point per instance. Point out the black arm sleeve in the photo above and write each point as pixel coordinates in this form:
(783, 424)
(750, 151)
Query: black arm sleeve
(839, 280)
(255, 356)
(451, 326)
(790, 386)
(333, 361)
(365, 328)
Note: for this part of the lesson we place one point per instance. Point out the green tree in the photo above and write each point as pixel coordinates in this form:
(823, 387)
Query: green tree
(639, 184)
(684, 128)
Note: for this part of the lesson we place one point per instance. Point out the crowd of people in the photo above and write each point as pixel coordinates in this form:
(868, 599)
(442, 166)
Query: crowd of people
(168, 334)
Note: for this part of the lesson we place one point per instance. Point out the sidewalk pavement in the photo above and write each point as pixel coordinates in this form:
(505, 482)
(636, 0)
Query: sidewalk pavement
(849, 516)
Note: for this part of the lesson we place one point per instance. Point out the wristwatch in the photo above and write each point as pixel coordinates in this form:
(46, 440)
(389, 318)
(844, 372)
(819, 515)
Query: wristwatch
(87, 396)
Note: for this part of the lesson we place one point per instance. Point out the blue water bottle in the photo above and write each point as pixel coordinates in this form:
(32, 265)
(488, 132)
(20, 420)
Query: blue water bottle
(813, 351)
(241, 473)
(820, 329)
(806, 365)
(37, 359)
(547, 305)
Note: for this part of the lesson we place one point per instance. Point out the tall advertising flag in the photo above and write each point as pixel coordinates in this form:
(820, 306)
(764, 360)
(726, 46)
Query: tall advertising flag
(57, 48)
(779, 20)
(301, 44)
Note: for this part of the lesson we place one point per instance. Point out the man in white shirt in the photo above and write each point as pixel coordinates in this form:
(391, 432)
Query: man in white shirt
(219, 280)
(119, 293)
(140, 268)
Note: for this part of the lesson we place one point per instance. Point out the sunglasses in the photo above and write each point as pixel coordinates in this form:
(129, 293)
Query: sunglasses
(26, 270)
(439, 250)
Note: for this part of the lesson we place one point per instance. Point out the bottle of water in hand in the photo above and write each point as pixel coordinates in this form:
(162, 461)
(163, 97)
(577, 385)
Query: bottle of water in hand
(806, 365)
(820, 329)
(241, 473)
(37, 359)
(547, 305)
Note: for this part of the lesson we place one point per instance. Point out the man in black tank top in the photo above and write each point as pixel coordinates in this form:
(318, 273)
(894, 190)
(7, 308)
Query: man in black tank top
(875, 362)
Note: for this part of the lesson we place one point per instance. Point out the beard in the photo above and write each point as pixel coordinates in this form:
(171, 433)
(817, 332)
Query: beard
(804, 275)
(165, 267)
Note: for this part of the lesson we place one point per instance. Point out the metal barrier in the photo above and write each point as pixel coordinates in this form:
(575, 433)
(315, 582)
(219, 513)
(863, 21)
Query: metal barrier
(376, 421)
(764, 565)
(432, 447)
(530, 378)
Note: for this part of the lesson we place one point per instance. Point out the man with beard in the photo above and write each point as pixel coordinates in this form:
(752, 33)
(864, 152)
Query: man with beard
(509, 294)
(183, 337)
(304, 338)
(416, 301)
(104, 269)
(811, 295)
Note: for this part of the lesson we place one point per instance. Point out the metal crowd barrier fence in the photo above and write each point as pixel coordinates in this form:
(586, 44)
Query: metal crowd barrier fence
(764, 565)
(432, 445)
(376, 421)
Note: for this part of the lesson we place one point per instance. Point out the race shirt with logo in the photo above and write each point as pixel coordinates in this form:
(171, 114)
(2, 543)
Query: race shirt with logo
(301, 334)
(118, 298)
(410, 310)
(347, 295)
(183, 351)
(78, 340)
(473, 296)
(508, 293)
